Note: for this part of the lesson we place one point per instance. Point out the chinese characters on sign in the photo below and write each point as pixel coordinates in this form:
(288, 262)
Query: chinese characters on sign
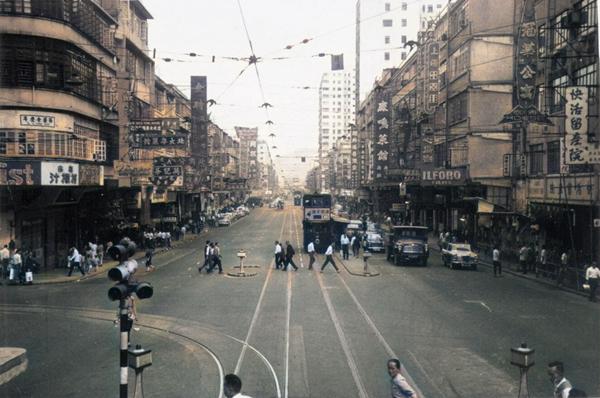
(156, 133)
(37, 120)
(60, 174)
(167, 171)
(381, 136)
(526, 62)
(576, 126)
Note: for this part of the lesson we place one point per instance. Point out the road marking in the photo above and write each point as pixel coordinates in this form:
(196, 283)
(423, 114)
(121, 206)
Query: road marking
(484, 305)
(362, 392)
(257, 312)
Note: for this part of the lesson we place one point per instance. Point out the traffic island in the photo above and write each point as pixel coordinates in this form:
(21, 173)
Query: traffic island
(242, 273)
(13, 362)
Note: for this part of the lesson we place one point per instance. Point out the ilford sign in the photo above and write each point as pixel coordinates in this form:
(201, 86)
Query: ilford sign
(444, 177)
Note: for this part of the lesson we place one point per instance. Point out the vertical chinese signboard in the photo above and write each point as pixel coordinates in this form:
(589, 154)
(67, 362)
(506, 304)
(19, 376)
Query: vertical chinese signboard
(576, 145)
(382, 136)
(526, 61)
(199, 137)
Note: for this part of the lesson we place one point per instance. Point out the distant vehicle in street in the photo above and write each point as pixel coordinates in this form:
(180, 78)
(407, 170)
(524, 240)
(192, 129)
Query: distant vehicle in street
(407, 245)
(375, 242)
(225, 219)
(459, 255)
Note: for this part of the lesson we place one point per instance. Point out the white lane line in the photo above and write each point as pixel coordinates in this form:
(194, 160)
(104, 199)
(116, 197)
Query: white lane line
(288, 317)
(257, 312)
(362, 392)
(484, 305)
(380, 337)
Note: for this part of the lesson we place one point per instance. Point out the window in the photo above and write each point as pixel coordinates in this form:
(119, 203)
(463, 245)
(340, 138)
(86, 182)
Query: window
(536, 159)
(459, 62)
(387, 7)
(588, 76)
(387, 23)
(386, 56)
(457, 110)
(404, 6)
(560, 35)
(430, 9)
(403, 23)
(559, 87)
(403, 39)
(589, 17)
(386, 40)
(553, 157)
(403, 56)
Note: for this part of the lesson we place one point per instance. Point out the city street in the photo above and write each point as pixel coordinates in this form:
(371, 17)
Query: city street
(304, 333)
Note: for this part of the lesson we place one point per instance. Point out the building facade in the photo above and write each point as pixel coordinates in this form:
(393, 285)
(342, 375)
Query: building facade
(248, 138)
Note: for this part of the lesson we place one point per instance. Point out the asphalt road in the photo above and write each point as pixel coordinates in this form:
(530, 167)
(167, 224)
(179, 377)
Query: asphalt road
(301, 334)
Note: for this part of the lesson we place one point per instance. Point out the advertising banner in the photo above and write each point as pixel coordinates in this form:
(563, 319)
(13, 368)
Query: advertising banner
(20, 173)
(60, 174)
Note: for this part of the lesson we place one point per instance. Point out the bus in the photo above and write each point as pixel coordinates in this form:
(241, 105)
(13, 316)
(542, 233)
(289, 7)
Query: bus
(316, 220)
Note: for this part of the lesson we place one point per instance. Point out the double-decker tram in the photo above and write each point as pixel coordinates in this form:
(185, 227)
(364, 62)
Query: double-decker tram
(316, 220)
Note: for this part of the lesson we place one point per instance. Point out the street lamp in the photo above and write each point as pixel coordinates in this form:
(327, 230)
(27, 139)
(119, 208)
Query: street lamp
(523, 357)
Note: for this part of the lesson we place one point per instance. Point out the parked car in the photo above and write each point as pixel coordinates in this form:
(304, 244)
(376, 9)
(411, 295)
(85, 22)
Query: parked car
(407, 244)
(375, 242)
(459, 255)
(225, 219)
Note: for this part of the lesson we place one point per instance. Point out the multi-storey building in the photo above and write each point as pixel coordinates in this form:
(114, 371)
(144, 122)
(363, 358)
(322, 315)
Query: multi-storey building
(386, 28)
(266, 167)
(58, 78)
(248, 158)
(336, 115)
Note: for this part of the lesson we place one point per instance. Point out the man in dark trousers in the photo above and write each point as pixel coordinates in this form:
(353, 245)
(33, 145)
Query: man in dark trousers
(206, 256)
(278, 254)
(289, 256)
(329, 258)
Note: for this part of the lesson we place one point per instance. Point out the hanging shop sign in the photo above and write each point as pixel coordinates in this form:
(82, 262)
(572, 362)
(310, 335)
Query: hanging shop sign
(406, 175)
(577, 149)
(20, 173)
(41, 120)
(167, 171)
(526, 59)
(562, 189)
(145, 126)
(444, 177)
(382, 135)
(153, 140)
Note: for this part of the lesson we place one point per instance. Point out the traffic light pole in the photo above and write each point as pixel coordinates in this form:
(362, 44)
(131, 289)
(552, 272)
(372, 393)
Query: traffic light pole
(123, 319)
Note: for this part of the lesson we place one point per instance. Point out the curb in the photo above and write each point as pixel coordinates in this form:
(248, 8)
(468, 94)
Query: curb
(520, 275)
(98, 273)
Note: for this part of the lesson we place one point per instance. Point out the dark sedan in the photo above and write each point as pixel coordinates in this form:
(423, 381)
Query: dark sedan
(411, 254)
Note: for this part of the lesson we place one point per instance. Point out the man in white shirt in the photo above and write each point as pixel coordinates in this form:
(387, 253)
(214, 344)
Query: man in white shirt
(232, 385)
(75, 261)
(400, 387)
(496, 262)
(329, 258)
(344, 241)
(278, 255)
(592, 276)
(4, 259)
(562, 386)
(311, 254)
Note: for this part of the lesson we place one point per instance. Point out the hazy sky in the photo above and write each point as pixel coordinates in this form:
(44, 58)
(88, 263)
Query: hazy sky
(215, 28)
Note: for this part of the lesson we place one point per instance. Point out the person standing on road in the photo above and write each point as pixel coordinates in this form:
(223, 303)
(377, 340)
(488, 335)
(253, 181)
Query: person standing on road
(311, 254)
(355, 243)
(562, 268)
(278, 254)
(496, 262)
(149, 254)
(206, 253)
(543, 260)
(344, 241)
(400, 387)
(289, 256)
(216, 261)
(74, 261)
(523, 259)
(329, 258)
(592, 276)
(232, 387)
(562, 386)
(4, 260)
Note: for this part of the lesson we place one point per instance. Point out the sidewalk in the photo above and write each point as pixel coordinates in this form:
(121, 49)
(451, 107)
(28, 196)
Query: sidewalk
(59, 275)
(512, 269)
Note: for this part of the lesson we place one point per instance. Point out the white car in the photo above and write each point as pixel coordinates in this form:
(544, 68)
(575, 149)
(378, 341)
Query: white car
(225, 219)
(459, 255)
